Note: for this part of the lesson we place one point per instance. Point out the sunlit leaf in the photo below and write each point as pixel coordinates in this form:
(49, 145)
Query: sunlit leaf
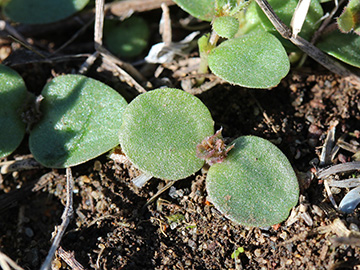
(202, 9)
(81, 120)
(255, 185)
(255, 60)
(226, 26)
(161, 130)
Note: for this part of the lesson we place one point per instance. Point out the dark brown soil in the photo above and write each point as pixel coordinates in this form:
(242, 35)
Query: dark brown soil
(113, 229)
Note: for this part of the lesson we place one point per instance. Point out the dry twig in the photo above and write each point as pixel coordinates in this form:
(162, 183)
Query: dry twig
(127, 7)
(126, 70)
(339, 168)
(66, 216)
(69, 258)
(6, 263)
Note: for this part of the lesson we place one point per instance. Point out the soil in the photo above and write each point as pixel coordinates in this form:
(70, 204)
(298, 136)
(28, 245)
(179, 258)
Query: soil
(113, 227)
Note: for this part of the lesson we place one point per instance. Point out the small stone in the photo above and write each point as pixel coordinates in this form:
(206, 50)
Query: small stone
(29, 232)
(354, 227)
(257, 252)
(192, 244)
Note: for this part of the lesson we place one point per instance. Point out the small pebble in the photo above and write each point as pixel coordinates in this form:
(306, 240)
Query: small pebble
(192, 244)
(29, 232)
(97, 165)
(354, 227)
(257, 252)
(283, 235)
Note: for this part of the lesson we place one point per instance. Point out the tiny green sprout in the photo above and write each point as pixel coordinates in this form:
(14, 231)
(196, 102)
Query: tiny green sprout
(213, 149)
(237, 253)
(177, 218)
(226, 26)
(255, 185)
(160, 132)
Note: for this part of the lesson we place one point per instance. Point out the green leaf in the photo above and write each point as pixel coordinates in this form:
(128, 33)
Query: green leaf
(237, 252)
(161, 130)
(345, 47)
(81, 120)
(285, 10)
(226, 26)
(13, 96)
(42, 11)
(128, 38)
(350, 18)
(255, 60)
(201, 9)
(255, 185)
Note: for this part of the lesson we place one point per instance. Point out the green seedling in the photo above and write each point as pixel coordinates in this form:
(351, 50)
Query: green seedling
(246, 60)
(255, 185)
(161, 130)
(251, 54)
(81, 120)
(41, 11)
(237, 253)
(128, 38)
(254, 54)
(13, 96)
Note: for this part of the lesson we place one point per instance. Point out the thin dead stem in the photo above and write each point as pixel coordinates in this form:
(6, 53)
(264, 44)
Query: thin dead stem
(69, 258)
(127, 71)
(66, 216)
(7, 264)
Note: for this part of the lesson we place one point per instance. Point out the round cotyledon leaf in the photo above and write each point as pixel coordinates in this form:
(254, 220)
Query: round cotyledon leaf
(13, 95)
(161, 130)
(127, 38)
(255, 60)
(226, 26)
(255, 185)
(42, 11)
(81, 120)
(202, 9)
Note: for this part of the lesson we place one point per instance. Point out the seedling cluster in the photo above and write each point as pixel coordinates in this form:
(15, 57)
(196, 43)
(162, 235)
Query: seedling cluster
(167, 133)
(245, 49)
